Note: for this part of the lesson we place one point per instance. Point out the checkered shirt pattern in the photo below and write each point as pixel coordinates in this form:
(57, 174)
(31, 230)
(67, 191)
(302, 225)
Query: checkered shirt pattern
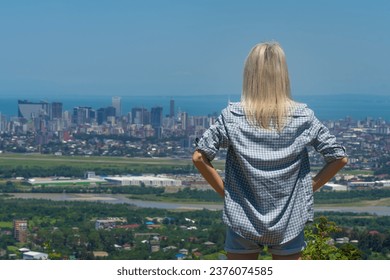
(268, 187)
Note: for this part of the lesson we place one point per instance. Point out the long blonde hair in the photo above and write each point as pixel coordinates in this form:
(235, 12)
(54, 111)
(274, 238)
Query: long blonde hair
(266, 96)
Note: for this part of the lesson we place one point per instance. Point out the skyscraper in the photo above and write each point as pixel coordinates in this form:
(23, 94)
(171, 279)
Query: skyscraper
(140, 115)
(56, 110)
(82, 115)
(156, 116)
(117, 104)
(184, 120)
(101, 115)
(29, 110)
(172, 108)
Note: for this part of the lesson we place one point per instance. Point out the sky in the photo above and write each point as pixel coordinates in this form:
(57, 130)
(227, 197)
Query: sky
(177, 47)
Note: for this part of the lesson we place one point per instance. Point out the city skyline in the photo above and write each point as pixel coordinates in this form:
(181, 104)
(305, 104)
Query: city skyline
(354, 106)
(130, 48)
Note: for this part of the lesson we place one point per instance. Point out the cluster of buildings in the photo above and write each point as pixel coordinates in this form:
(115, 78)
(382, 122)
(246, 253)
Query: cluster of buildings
(367, 143)
(149, 237)
(48, 121)
(153, 239)
(91, 179)
(20, 234)
(46, 128)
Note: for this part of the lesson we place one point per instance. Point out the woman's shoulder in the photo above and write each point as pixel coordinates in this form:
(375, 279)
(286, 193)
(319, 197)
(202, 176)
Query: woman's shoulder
(299, 109)
(233, 108)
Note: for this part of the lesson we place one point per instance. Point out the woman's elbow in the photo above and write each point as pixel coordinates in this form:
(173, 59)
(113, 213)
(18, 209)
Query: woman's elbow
(343, 161)
(196, 157)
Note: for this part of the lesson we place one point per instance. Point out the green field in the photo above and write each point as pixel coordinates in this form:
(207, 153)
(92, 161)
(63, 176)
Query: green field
(6, 225)
(90, 163)
(45, 161)
(84, 162)
(358, 203)
(142, 165)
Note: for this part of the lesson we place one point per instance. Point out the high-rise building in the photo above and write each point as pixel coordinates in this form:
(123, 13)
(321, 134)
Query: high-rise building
(101, 115)
(184, 120)
(172, 108)
(104, 113)
(111, 111)
(29, 110)
(156, 119)
(82, 115)
(140, 116)
(117, 104)
(20, 230)
(156, 116)
(1, 123)
(56, 110)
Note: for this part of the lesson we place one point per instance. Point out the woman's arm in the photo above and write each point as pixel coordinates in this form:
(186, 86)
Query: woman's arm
(327, 172)
(208, 172)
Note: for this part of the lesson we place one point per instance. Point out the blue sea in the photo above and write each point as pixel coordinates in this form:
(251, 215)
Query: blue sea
(326, 107)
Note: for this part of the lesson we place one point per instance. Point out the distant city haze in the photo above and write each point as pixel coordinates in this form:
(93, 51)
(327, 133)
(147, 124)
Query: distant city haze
(352, 105)
(185, 48)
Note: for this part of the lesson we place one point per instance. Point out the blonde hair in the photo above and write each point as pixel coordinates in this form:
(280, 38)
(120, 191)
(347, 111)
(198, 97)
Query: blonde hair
(266, 96)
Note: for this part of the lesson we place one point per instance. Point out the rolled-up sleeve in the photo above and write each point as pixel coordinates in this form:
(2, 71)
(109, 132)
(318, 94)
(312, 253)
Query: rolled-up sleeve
(325, 143)
(213, 139)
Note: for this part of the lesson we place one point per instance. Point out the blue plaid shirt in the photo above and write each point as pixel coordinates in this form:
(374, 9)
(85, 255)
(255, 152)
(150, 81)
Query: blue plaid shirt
(268, 187)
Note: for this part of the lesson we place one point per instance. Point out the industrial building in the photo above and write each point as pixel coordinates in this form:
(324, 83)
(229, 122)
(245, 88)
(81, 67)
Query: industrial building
(148, 181)
(92, 179)
(55, 181)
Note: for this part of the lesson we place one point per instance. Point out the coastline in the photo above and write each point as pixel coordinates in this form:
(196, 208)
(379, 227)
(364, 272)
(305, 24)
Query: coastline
(359, 106)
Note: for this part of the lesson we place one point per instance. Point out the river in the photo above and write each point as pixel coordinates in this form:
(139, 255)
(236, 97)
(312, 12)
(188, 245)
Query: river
(120, 199)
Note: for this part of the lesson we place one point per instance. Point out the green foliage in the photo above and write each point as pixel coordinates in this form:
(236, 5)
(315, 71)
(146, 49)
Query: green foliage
(358, 221)
(66, 229)
(319, 247)
(198, 195)
(63, 229)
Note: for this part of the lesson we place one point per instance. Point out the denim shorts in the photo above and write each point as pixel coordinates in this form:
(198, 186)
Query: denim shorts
(235, 243)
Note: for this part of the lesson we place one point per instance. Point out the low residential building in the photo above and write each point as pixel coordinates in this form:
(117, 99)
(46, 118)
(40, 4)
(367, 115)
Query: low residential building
(100, 254)
(168, 248)
(335, 187)
(20, 230)
(109, 223)
(128, 227)
(31, 255)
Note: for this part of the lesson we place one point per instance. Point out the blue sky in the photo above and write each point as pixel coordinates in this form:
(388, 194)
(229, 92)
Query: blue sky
(178, 47)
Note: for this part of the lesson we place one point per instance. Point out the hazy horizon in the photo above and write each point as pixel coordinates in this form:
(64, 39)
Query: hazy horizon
(357, 106)
(131, 48)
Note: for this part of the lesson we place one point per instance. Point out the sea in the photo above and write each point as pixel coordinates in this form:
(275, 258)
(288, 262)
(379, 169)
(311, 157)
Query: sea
(326, 107)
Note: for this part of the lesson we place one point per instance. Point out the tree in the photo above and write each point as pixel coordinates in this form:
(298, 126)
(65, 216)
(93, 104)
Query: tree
(319, 246)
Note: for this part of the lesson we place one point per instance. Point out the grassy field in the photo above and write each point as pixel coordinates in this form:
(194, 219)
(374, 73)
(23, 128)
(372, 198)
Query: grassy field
(45, 161)
(6, 225)
(354, 172)
(361, 203)
(86, 163)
